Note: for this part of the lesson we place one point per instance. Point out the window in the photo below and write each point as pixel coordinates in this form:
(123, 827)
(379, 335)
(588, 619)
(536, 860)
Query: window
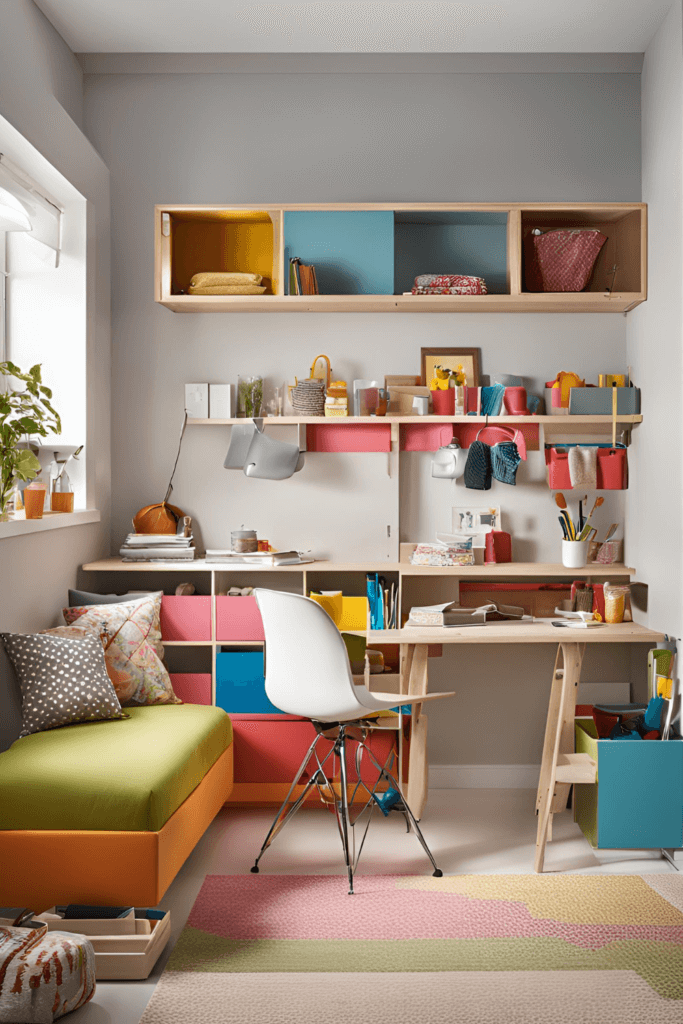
(43, 296)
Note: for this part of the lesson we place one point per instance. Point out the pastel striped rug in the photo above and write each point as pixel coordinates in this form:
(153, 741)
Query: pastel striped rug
(476, 949)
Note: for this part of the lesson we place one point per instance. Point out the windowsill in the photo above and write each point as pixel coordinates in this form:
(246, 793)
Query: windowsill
(19, 526)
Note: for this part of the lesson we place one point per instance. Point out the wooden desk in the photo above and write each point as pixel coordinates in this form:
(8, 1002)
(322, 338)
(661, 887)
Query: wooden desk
(560, 766)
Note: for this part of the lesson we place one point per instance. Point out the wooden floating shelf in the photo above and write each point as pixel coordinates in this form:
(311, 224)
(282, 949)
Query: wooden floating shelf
(503, 570)
(554, 424)
(530, 302)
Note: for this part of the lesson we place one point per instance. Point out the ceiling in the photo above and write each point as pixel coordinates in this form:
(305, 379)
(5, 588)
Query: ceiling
(224, 26)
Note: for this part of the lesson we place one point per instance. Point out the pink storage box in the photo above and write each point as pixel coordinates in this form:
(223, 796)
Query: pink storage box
(192, 687)
(612, 469)
(271, 750)
(186, 618)
(354, 437)
(238, 618)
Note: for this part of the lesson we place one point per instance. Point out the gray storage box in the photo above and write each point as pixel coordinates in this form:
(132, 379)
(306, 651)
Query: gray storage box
(598, 401)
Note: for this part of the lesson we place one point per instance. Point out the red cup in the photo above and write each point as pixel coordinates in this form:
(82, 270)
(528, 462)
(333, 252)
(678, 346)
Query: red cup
(443, 402)
(514, 401)
(498, 547)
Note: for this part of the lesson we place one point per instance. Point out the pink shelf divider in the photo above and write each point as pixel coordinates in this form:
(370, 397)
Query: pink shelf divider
(354, 437)
(186, 618)
(192, 687)
(238, 618)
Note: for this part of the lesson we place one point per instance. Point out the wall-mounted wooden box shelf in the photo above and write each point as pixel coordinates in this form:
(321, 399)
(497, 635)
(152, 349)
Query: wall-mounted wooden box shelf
(367, 255)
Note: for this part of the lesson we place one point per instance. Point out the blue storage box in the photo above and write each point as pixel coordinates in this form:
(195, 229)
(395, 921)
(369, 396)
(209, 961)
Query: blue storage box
(240, 682)
(637, 799)
(598, 401)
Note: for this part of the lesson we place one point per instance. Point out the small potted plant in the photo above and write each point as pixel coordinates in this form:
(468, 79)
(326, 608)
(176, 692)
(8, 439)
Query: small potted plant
(23, 413)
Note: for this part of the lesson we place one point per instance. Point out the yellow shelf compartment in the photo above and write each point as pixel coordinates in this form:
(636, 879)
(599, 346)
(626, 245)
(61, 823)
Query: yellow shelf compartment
(193, 240)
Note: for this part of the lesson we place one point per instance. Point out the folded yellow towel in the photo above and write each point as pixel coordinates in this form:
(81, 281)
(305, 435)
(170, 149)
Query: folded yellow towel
(236, 289)
(218, 279)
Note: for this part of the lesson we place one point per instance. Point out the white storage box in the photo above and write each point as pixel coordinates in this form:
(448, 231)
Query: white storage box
(121, 956)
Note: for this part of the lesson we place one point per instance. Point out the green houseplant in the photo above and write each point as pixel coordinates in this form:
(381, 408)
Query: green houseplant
(23, 413)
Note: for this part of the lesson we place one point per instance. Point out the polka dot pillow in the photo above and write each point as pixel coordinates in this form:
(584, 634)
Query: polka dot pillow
(62, 681)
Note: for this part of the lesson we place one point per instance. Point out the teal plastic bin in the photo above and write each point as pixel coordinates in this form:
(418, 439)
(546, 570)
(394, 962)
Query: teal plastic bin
(240, 683)
(636, 802)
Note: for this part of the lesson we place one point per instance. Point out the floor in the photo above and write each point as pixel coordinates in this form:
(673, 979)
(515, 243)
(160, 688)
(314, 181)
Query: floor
(470, 831)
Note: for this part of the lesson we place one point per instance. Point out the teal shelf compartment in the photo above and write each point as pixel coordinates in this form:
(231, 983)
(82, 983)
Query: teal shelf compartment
(458, 242)
(352, 250)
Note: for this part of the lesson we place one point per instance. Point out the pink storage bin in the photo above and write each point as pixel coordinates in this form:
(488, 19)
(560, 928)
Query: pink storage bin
(186, 618)
(271, 750)
(192, 687)
(355, 437)
(612, 469)
(238, 618)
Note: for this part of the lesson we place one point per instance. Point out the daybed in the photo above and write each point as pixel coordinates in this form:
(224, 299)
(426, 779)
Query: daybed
(107, 812)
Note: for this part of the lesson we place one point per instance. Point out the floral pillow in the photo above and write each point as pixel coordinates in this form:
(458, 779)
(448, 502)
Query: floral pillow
(124, 683)
(127, 631)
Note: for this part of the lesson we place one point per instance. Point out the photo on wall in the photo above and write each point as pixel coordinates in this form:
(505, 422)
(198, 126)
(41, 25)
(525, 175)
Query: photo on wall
(476, 522)
(452, 358)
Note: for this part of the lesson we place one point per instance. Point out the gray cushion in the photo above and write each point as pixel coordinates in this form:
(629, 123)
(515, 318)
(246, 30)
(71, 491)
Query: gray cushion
(81, 598)
(62, 681)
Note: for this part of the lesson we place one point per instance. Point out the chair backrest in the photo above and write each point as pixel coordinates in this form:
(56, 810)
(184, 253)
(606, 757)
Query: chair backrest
(307, 666)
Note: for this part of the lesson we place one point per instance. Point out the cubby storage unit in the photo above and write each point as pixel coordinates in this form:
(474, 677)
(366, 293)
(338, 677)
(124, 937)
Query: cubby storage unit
(264, 734)
(352, 250)
(191, 240)
(625, 248)
(472, 242)
(368, 254)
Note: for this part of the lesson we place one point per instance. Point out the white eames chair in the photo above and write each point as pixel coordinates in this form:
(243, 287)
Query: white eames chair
(308, 674)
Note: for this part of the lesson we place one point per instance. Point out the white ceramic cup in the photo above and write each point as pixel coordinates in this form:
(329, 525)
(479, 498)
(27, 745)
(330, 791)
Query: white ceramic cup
(574, 553)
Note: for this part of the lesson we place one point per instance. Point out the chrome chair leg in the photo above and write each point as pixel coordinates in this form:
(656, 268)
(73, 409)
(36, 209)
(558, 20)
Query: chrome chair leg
(438, 873)
(279, 824)
(343, 811)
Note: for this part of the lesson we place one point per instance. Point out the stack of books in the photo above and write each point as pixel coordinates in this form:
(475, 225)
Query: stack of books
(263, 559)
(302, 279)
(157, 547)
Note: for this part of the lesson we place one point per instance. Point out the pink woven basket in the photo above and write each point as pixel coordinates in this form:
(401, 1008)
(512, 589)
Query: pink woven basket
(562, 260)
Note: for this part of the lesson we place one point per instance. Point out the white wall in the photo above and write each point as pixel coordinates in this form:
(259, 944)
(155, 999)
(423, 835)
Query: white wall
(41, 103)
(654, 341)
(342, 137)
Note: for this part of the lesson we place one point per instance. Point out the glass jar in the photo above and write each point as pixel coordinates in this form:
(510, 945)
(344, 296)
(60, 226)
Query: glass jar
(249, 396)
(615, 602)
(244, 541)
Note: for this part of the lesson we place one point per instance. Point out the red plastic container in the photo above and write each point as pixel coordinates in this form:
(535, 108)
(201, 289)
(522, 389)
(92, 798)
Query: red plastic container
(443, 402)
(238, 618)
(186, 618)
(612, 469)
(191, 687)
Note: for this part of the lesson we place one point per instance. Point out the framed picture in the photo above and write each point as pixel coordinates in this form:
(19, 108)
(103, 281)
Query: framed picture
(476, 522)
(468, 358)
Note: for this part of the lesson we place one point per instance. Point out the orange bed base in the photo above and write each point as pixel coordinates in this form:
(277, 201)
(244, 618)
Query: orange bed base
(41, 868)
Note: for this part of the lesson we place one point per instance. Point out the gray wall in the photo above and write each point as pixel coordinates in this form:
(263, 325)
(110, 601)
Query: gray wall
(654, 337)
(41, 97)
(333, 137)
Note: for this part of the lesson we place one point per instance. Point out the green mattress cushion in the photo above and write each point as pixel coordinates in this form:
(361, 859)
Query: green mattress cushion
(128, 775)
